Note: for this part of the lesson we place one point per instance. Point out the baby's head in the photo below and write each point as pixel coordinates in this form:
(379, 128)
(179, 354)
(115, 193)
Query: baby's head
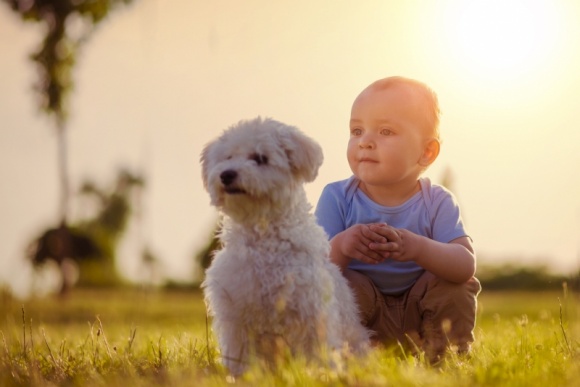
(424, 98)
(394, 131)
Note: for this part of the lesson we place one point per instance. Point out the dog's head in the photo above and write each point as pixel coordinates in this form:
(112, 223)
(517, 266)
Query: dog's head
(256, 164)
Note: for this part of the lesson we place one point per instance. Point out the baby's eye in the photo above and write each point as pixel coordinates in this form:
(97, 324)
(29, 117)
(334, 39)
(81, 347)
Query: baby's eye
(355, 132)
(386, 132)
(259, 158)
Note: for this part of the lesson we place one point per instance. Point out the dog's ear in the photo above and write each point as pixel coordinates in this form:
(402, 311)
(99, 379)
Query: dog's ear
(304, 154)
(204, 160)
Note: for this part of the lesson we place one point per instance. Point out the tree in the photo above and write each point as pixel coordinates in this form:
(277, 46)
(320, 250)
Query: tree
(107, 225)
(56, 57)
(86, 251)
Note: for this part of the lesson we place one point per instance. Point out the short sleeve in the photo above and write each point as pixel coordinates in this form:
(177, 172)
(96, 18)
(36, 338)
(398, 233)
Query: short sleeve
(447, 222)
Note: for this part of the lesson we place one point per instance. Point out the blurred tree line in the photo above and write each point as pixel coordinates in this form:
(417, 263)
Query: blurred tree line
(512, 276)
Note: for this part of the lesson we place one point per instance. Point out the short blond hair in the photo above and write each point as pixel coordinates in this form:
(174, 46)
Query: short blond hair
(429, 97)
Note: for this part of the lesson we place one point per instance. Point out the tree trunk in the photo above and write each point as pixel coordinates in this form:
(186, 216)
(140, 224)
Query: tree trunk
(63, 171)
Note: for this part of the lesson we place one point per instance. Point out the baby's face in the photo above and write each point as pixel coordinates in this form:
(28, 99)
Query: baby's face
(387, 136)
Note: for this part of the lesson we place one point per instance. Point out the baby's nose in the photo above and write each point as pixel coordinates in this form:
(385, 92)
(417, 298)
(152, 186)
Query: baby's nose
(365, 143)
(228, 176)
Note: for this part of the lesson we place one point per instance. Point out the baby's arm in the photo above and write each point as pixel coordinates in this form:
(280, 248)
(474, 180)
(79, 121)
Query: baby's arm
(453, 261)
(355, 242)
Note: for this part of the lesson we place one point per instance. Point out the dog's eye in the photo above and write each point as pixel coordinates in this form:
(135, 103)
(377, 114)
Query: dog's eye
(259, 159)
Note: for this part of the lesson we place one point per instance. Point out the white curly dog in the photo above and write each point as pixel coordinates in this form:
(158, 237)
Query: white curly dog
(272, 288)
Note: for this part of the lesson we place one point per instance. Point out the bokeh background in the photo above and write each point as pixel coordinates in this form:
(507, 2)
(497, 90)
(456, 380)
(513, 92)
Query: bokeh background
(159, 79)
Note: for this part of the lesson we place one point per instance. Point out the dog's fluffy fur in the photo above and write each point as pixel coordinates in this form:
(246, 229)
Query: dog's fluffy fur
(272, 287)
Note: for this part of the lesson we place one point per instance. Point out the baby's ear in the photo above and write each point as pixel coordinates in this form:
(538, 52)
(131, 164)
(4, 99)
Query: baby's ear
(304, 154)
(430, 152)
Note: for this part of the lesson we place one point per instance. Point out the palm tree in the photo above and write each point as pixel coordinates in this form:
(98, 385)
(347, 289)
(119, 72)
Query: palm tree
(55, 60)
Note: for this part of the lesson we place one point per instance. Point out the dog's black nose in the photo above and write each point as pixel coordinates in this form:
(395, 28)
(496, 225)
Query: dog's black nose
(228, 176)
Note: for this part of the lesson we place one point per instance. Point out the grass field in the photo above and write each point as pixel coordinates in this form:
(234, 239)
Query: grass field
(136, 337)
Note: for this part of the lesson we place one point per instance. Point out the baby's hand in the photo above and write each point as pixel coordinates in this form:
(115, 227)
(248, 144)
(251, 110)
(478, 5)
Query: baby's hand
(366, 242)
(403, 245)
(392, 240)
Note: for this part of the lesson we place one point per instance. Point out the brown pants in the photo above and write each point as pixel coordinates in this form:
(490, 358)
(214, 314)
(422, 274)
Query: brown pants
(432, 316)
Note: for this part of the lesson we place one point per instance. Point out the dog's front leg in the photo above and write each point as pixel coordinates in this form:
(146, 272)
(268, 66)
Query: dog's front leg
(233, 341)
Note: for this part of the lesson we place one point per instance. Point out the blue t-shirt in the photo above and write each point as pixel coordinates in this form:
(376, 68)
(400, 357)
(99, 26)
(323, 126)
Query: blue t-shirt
(433, 212)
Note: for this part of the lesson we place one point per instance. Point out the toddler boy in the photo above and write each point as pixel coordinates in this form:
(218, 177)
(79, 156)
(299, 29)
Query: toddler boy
(398, 239)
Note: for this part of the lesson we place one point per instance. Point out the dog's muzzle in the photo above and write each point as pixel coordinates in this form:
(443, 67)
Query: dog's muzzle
(228, 177)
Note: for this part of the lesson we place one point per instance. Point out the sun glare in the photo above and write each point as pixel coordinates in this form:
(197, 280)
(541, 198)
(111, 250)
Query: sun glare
(503, 38)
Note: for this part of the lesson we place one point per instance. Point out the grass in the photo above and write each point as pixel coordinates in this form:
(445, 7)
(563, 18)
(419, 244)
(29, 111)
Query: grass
(135, 337)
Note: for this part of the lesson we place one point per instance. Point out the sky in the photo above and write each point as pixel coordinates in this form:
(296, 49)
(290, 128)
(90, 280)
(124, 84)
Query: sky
(159, 79)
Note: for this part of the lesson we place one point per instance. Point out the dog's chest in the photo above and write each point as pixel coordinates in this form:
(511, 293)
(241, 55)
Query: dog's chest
(268, 274)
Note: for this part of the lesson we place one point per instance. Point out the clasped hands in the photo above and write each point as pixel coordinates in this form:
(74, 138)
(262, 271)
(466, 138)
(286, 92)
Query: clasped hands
(374, 242)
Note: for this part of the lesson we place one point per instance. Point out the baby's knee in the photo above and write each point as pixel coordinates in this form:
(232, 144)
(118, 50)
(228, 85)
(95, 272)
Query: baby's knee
(440, 291)
(451, 306)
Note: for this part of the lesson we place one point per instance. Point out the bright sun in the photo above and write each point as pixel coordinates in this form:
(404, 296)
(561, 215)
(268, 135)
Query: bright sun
(501, 38)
